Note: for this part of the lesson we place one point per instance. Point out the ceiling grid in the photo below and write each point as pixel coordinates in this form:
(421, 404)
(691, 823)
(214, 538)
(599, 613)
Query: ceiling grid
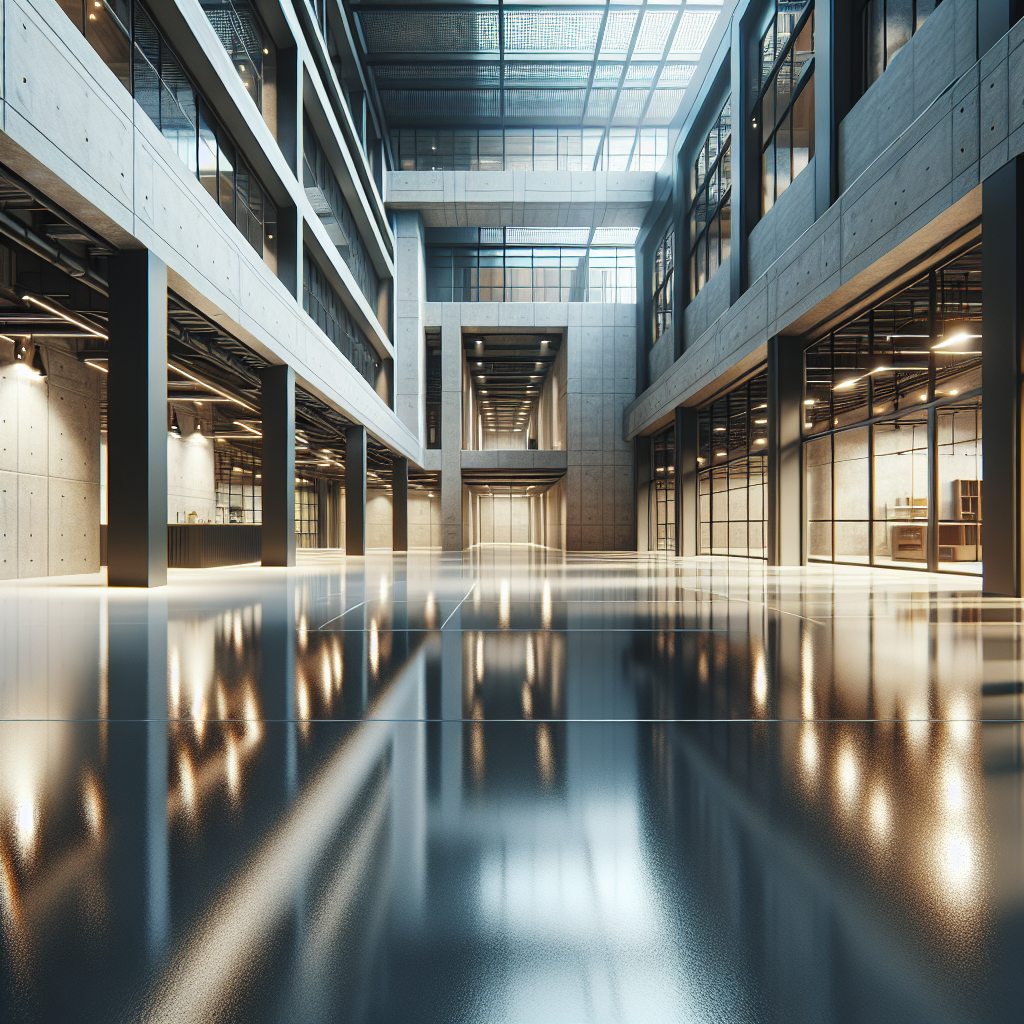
(600, 64)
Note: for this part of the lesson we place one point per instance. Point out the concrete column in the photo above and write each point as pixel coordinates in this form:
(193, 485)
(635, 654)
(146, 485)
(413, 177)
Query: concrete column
(451, 430)
(278, 410)
(137, 421)
(687, 523)
(785, 407)
(355, 490)
(1002, 209)
(400, 504)
(745, 157)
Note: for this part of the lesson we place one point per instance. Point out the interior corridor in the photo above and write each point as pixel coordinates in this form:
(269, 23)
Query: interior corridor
(512, 784)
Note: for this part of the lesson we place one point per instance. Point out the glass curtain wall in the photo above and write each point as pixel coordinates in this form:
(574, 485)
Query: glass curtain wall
(784, 112)
(732, 479)
(892, 402)
(324, 306)
(129, 42)
(710, 218)
(513, 274)
(528, 149)
(324, 193)
(664, 265)
(663, 492)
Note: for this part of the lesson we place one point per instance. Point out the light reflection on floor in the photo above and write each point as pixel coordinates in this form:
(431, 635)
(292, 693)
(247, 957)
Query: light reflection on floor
(512, 786)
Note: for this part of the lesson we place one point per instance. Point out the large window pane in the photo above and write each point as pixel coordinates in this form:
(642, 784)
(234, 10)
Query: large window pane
(900, 503)
(960, 487)
(851, 494)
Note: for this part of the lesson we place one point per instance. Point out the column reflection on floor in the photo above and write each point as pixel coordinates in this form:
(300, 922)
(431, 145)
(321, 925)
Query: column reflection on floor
(509, 787)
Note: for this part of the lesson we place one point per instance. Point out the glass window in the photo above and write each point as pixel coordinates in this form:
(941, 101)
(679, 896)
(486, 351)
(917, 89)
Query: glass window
(732, 472)
(664, 265)
(892, 401)
(663, 492)
(784, 112)
(710, 217)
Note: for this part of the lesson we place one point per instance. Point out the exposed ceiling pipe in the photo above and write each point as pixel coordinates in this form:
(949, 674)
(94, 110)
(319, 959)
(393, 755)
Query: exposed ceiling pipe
(52, 252)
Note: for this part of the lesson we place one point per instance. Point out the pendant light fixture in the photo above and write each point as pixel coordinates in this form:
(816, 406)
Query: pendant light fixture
(37, 362)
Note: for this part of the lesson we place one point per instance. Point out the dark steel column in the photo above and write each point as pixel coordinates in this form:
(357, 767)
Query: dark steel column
(686, 482)
(400, 504)
(278, 408)
(137, 421)
(1002, 209)
(355, 491)
(323, 519)
(785, 408)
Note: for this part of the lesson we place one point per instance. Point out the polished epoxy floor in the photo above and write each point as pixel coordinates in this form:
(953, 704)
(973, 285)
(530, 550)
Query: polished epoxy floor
(512, 786)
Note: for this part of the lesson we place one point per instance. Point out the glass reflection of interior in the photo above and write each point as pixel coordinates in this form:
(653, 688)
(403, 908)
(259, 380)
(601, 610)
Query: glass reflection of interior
(892, 401)
(733, 472)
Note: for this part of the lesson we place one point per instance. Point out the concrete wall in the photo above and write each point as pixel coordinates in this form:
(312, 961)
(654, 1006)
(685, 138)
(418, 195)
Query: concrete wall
(920, 191)
(708, 305)
(941, 52)
(782, 225)
(600, 513)
(49, 469)
(534, 199)
(424, 518)
(600, 380)
(410, 343)
(190, 474)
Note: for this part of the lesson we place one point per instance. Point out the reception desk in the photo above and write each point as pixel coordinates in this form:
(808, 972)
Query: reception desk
(204, 545)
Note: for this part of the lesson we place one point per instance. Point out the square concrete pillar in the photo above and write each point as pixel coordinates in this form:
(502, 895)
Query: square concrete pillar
(400, 504)
(355, 490)
(278, 409)
(1002, 348)
(137, 421)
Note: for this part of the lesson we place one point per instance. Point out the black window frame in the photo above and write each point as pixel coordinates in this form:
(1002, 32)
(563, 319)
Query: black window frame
(662, 283)
(707, 184)
(781, 63)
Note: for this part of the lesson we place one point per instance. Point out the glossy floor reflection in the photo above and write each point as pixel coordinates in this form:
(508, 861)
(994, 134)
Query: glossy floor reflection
(512, 786)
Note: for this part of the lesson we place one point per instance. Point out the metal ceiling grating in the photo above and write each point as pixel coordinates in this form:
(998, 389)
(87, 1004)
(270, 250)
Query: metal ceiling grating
(439, 105)
(547, 236)
(617, 33)
(654, 32)
(556, 31)
(615, 236)
(521, 71)
(607, 74)
(630, 105)
(530, 105)
(664, 104)
(477, 74)
(694, 29)
(429, 31)
(549, 62)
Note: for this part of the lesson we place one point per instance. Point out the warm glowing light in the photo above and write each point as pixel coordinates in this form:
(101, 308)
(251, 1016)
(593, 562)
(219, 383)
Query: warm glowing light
(479, 657)
(847, 776)
(504, 605)
(878, 812)
(25, 826)
(527, 700)
(374, 647)
(809, 749)
(760, 685)
(383, 589)
(545, 606)
(430, 611)
(545, 755)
